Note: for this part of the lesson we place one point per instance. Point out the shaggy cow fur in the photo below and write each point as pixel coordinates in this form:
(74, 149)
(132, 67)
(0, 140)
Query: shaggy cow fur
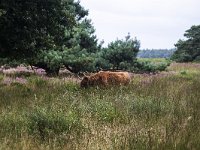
(106, 78)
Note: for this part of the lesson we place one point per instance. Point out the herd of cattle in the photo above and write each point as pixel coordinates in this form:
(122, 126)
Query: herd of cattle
(105, 78)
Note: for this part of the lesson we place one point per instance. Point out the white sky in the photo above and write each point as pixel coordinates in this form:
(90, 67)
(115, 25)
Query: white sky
(156, 23)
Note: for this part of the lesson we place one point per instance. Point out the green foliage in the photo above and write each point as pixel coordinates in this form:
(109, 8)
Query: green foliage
(159, 111)
(79, 60)
(52, 58)
(121, 54)
(181, 56)
(31, 29)
(183, 72)
(102, 63)
(148, 66)
(52, 34)
(47, 34)
(7, 63)
(188, 50)
(197, 59)
(81, 48)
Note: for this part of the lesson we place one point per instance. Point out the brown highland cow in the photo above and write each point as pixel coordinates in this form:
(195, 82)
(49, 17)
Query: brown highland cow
(106, 78)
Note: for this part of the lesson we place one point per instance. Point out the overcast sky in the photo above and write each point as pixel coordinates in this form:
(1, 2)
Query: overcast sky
(156, 23)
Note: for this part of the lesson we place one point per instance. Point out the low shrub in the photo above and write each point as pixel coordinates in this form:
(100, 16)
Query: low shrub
(147, 66)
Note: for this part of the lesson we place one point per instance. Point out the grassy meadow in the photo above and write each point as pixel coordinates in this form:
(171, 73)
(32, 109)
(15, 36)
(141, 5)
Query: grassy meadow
(156, 111)
(154, 60)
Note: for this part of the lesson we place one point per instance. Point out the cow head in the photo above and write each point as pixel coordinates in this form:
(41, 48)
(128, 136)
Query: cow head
(85, 81)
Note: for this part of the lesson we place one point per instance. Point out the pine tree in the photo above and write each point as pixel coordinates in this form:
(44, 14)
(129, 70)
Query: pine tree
(45, 33)
(188, 50)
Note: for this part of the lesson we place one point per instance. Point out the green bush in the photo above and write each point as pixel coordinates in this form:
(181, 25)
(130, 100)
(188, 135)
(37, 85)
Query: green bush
(183, 57)
(147, 66)
(188, 50)
(43, 38)
(121, 54)
(197, 59)
(183, 72)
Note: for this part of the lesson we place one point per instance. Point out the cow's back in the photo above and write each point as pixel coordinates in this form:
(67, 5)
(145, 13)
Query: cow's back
(116, 78)
(108, 78)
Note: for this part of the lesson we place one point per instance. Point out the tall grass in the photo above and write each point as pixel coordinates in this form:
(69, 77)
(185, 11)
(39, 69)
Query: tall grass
(159, 111)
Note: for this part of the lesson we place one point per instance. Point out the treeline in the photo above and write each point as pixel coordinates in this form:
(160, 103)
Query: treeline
(155, 53)
(54, 34)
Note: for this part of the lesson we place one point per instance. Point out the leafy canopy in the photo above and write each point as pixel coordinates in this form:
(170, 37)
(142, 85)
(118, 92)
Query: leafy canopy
(121, 54)
(51, 34)
(45, 33)
(188, 50)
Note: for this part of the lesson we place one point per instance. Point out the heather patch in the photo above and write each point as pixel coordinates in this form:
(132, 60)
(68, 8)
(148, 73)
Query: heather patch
(155, 111)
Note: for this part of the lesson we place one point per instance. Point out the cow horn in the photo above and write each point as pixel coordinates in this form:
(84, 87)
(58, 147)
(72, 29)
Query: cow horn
(79, 77)
(84, 75)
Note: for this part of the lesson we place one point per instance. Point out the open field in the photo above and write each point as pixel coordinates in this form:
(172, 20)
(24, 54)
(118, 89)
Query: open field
(160, 111)
(154, 60)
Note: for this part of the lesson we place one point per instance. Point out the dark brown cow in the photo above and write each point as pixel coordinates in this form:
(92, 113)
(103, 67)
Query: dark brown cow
(106, 78)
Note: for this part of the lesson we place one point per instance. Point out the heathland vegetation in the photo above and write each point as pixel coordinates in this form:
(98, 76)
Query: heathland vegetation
(156, 111)
(42, 105)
